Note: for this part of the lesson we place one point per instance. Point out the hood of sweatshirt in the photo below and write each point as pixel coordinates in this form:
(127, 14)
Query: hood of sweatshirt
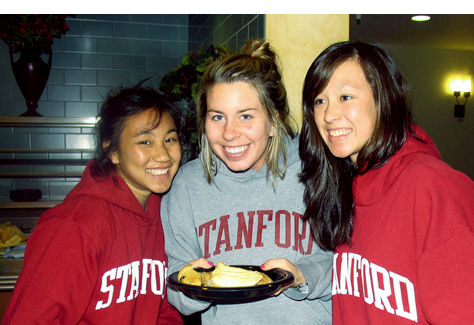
(374, 185)
(118, 194)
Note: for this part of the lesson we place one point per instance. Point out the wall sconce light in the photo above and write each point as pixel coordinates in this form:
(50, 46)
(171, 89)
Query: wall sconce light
(461, 87)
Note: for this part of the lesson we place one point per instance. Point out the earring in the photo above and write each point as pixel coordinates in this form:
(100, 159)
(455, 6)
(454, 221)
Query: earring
(114, 160)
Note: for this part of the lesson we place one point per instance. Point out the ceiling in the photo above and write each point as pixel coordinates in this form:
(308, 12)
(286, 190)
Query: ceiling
(455, 32)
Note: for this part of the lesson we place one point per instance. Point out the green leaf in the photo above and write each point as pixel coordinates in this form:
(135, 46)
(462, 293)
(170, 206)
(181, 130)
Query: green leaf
(176, 89)
(186, 60)
(201, 68)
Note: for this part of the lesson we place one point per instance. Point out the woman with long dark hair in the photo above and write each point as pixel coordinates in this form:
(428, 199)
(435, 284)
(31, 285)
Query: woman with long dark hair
(99, 256)
(399, 220)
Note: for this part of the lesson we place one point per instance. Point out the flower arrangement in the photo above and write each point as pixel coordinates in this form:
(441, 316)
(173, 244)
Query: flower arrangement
(35, 32)
(183, 82)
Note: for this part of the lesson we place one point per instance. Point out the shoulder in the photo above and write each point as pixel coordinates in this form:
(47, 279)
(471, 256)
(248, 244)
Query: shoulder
(85, 213)
(191, 175)
(446, 188)
(430, 171)
(190, 169)
(292, 152)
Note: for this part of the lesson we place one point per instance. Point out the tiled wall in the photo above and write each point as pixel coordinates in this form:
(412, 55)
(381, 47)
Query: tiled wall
(97, 53)
(231, 31)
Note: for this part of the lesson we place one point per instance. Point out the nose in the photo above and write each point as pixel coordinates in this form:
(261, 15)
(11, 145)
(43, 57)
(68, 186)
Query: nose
(231, 130)
(161, 153)
(332, 112)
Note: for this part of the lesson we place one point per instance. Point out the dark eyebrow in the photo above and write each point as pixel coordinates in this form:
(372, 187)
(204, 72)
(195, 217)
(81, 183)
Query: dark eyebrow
(148, 131)
(172, 131)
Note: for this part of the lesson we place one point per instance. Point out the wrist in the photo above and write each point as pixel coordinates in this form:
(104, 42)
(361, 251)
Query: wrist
(302, 287)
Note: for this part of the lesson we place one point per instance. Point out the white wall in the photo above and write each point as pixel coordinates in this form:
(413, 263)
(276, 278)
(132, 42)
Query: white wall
(428, 71)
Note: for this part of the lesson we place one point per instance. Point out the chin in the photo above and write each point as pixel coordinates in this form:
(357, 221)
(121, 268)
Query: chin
(237, 167)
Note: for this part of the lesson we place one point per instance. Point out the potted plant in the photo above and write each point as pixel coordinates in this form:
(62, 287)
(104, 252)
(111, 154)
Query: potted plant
(31, 35)
(182, 84)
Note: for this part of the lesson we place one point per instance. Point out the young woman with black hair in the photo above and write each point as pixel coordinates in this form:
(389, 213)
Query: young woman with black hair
(398, 218)
(99, 257)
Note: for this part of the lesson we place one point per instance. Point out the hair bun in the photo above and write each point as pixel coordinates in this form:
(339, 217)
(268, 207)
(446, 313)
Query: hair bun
(259, 48)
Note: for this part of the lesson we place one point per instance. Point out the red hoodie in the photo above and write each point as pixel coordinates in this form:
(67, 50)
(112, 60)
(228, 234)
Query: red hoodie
(97, 258)
(412, 255)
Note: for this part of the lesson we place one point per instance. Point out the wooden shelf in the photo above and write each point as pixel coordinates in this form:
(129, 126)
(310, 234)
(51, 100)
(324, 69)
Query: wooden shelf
(29, 205)
(48, 121)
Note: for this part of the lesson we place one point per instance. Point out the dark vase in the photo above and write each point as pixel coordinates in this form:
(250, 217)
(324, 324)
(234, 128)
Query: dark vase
(31, 74)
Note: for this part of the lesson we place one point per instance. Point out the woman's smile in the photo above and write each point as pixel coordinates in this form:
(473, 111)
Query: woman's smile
(237, 126)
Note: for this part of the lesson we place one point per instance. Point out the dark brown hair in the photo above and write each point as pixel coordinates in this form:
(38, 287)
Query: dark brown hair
(328, 179)
(121, 104)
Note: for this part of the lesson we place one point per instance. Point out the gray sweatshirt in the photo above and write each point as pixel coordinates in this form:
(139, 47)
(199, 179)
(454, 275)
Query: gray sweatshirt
(244, 221)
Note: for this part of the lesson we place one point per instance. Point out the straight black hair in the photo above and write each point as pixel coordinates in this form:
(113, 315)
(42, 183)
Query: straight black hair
(328, 194)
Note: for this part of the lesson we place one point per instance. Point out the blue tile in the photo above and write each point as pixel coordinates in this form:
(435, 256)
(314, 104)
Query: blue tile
(162, 32)
(175, 19)
(162, 64)
(28, 130)
(242, 37)
(146, 47)
(199, 19)
(113, 45)
(66, 60)
(93, 94)
(64, 130)
(129, 62)
(67, 155)
(74, 27)
(97, 29)
(51, 109)
(151, 18)
(70, 93)
(130, 30)
(56, 77)
(178, 49)
(97, 61)
(80, 77)
(80, 44)
(75, 169)
(12, 107)
(10, 141)
(47, 141)
(81, 109)
(114, 78)
(153, 81)
(79, 141)
(183, 34)
(58, 45)
(237, 23)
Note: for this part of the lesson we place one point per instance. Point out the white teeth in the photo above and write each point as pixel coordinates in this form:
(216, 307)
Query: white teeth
(157, 171)
(236, 149)
(338, 133)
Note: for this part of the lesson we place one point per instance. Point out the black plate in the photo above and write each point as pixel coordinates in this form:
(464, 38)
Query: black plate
(280, 278)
